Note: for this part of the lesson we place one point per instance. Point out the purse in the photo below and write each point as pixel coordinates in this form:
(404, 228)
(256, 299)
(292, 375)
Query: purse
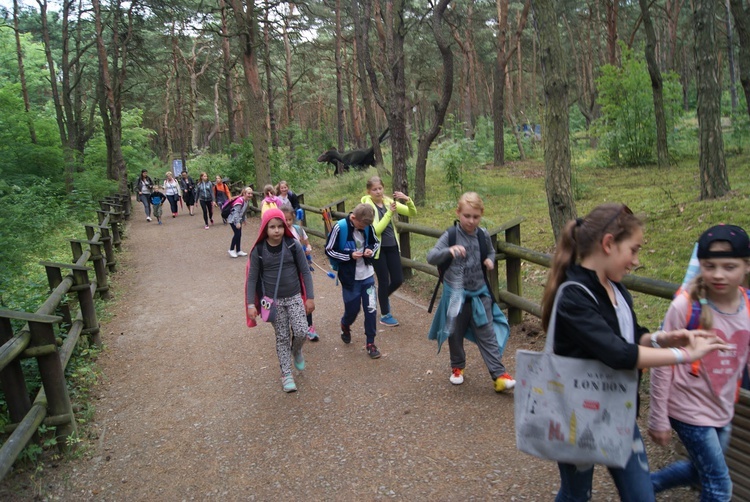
(574, 411)
(267, 304)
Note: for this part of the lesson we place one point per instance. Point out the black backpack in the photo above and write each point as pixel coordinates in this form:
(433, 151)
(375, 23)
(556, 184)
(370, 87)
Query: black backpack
(483, 252)
(226, 208)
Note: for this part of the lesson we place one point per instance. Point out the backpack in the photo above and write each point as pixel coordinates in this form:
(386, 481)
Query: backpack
(343, 240)
(483, 252)
(226, 208)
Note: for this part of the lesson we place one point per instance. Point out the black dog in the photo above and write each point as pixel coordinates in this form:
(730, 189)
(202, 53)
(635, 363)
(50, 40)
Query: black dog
(358, 159)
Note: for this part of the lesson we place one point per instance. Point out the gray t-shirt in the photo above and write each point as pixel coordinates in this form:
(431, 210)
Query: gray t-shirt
(465, 271)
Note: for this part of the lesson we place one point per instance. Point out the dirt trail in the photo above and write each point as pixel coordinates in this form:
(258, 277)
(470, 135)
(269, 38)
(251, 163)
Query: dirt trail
(191, 408)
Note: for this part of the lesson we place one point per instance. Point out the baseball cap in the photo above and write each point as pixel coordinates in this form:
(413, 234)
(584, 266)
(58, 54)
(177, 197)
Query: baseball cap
(734, 235)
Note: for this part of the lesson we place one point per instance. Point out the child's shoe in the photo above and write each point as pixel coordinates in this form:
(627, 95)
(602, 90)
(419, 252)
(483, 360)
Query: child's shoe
(148, 218)
(159, 222)
(312, 335)
(287, 383)
(504, 382)
(206, 227)
(212, 222)
(457, 376)
(233, 253)
(241, 253)
(388, 320)
(372, 351)
(346, 334)
(299, 360)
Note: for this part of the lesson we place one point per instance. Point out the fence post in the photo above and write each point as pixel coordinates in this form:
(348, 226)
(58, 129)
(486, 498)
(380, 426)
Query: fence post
(86, 301)
(54, 278)
(12, 381)
(106, 240)
(492, 275)
(404, 241)
(513, 273)
(341, 206)
(52, 375)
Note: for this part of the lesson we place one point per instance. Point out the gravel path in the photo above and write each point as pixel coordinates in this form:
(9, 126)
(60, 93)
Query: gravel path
(190, 405)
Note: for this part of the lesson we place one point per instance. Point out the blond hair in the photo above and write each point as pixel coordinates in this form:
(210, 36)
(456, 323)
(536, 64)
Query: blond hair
(471, 199)
(364, 213)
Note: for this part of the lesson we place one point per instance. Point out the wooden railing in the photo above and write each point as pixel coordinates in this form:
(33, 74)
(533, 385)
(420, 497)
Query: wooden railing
(37, 338)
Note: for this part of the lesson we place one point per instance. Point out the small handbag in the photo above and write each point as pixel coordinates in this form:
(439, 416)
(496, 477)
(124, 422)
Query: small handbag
(267, 304)
(574, 411)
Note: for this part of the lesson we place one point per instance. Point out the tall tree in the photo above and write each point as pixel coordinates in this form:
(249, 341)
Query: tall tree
(247, 22)
(426, 139)
(226, 69)
(713, 168)
(741, 14)
(657, 86)
(22, 74)
(270, 94)
(340, 122)
(505, 49)
(556, 129)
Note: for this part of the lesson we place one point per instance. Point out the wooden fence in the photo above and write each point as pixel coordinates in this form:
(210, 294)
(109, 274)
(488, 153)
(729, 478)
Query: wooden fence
(37, 338)
(509, 250)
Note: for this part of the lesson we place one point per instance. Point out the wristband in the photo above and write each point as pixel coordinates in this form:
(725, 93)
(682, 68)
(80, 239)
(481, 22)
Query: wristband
(687, 354)
(655, 338)
(678, 355)
(252, 306)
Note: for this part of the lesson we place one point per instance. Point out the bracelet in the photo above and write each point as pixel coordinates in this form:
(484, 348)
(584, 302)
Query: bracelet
(655, 339)
(678, 355)
(687, 354)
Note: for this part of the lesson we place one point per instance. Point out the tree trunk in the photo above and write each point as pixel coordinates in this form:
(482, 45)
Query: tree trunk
(340, 119)
(555, 133)
(612, 6)
(713, 168)
(512, 119)
(364, 70)
(742, 24)
(395, 33)
(657, 87)
(269, 84)
(22, 75)
(353, 95)
(426, 139)
(730, 59)
(288, 85)
(112, 107)
(248, 33)
(226, 68)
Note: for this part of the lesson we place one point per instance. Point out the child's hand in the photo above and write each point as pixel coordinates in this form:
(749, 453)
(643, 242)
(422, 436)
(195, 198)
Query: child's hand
(309, 306)
(400, 196)
(662, 438)
(394, 208)
(368, 253)
(489, 264)
(457, 250)
(252, 312)
(357, 255)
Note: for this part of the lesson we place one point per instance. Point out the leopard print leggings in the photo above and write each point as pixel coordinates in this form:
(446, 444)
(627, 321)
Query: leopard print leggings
(291, 330)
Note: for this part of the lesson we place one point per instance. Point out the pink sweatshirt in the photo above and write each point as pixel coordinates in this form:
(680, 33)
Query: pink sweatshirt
(707, 399)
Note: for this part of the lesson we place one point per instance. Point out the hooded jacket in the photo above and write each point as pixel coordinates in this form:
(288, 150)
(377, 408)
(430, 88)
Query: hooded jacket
(347, 264)
(293, 254)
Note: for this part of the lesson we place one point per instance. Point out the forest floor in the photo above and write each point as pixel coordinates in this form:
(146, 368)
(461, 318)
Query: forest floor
(190, 407)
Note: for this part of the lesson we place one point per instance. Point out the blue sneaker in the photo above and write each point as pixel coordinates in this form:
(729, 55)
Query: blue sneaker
(388, 320)
(299, 360)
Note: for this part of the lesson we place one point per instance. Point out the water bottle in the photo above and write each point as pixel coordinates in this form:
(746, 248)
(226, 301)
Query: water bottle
(300, 214)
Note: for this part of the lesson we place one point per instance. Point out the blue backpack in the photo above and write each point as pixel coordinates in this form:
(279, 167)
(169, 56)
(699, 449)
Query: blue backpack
(344, 242)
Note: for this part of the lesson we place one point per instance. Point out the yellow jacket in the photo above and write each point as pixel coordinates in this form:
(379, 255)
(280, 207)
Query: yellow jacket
(408, 209)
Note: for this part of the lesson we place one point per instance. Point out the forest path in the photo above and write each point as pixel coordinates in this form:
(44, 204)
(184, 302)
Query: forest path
(190, 405)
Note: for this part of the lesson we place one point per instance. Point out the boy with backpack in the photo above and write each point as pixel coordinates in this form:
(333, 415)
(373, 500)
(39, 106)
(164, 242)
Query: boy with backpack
(350, 247)
(463, 254)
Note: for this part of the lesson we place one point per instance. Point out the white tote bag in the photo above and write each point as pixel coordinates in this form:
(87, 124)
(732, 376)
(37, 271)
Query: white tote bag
(575, 411)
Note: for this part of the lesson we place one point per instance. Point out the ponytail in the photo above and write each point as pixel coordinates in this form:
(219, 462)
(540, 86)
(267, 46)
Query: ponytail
(565, 256)
(699, 293)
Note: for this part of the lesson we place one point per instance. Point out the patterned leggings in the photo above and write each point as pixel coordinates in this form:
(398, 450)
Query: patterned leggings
(291, 330)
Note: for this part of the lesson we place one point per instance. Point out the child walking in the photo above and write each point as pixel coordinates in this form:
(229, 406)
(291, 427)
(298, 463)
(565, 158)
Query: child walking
(277, 269)
(353, 243)
(387, 261)
(697, 400)
(467, 309)
(595, 320)
(157, 201)
(270, 200)
(300, 234)
(221, 194)
(235, 220)
(204, 191)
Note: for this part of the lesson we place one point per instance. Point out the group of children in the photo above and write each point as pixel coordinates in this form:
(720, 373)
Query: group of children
(697, 359)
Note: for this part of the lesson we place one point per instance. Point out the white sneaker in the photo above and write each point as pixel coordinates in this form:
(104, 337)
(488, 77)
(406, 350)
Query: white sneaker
(233, 253)
(148, 218)
(241, 253)
(457, 376)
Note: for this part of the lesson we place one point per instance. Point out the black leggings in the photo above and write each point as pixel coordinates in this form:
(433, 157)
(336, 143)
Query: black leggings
(236, 238)
(390, 275)
(208, 210)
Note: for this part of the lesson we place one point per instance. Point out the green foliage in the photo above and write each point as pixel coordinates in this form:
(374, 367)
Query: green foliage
(739, 134)
(627, 126)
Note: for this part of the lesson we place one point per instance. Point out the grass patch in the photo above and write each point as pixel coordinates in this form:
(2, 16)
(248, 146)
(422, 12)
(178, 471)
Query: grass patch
(667, 200)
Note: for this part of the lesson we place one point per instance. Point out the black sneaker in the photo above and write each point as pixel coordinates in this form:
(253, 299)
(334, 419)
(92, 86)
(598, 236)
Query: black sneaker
(346, 334)
(372, 351)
